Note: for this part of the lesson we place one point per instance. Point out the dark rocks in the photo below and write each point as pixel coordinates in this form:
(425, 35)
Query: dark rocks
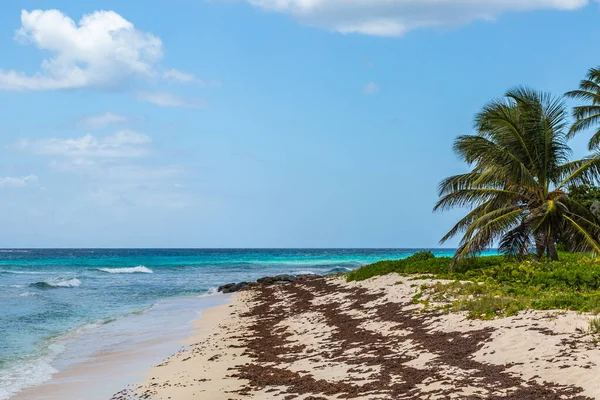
(265, 281)
(230, 288)
(236, 287)
(270, 280)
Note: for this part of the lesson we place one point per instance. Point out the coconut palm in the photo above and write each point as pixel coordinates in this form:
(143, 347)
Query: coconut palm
(516, 189)
(588, 116)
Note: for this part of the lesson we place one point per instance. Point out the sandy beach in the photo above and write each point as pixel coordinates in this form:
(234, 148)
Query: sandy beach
(327, 339)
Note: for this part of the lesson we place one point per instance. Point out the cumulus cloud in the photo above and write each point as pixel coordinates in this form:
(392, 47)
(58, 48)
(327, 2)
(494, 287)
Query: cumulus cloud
(119, 145)
(371, 88)
(103, 121)
(166, 99)
(395, 17)
(102, 49)
(17, 182)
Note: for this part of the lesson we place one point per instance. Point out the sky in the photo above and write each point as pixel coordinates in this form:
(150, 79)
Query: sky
(258, 123)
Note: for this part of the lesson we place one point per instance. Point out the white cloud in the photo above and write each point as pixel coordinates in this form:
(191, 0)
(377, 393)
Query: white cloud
(109, 170)
(105, 120)
(180, 76)
(17, 182)
(102, 49)
(185, 77)
(119, 145)
(371, 88)
(395, 17)
(166, 99)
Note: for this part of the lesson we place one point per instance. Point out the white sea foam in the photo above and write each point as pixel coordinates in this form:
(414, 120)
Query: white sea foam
(23, 373)
(140, 269)
(213, 291)
(70, 283)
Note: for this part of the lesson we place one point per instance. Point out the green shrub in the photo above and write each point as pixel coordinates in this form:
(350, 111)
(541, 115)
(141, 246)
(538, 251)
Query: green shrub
(421, 256)
(497, 286)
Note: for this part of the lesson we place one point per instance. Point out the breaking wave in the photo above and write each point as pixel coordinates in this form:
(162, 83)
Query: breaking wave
(57, 284)
(135, 270)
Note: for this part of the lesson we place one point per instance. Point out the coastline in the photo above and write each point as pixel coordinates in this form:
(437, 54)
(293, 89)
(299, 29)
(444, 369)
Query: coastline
(209, 353)
(102, 360)
(55, 297)
(326, 339)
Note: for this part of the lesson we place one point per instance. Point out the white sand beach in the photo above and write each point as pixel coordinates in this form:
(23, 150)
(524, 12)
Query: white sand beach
(328, 339)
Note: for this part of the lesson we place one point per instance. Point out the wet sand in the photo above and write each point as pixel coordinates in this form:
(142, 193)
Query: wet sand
(327, 339)
(105, 359)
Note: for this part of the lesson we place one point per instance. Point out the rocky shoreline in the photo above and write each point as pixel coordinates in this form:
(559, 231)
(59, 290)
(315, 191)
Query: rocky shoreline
(266, 281)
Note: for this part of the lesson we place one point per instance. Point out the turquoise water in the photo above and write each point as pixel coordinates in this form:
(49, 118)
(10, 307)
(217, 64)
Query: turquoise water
(47, 295)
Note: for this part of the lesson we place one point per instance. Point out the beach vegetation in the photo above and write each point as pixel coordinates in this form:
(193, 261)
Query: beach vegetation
(496, 286)
(595, 326)
(517, 188)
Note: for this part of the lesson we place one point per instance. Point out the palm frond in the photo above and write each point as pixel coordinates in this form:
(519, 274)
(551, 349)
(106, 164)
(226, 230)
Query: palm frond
(517, 242)
(583, 172)
(587, 242)
(587, 115)
(520, 160)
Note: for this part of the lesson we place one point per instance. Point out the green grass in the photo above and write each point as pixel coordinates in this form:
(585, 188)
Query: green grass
(489, 287)
(595, 326)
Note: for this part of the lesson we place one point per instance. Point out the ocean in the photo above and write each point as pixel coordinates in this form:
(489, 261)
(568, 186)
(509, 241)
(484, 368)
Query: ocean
(60, 307)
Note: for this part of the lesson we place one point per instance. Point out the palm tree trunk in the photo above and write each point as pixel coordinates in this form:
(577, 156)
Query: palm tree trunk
(552, 248)
(540, 247)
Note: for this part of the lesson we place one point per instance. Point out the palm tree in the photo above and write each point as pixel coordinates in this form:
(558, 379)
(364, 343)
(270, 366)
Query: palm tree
(516, 188)
(588, 116)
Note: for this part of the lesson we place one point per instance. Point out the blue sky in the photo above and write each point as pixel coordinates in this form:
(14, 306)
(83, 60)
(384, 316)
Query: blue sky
(258, 123)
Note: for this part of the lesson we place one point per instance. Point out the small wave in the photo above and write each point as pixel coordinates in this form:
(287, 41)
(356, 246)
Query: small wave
(57, 284)
(211, 292)
(339, 270)
(305, 272)
(135, 270)
(28, 294)
(15, 251)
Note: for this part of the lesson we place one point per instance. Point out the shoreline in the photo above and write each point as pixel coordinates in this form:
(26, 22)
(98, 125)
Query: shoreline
(103, 359)
(211, 340)
(327, 339)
